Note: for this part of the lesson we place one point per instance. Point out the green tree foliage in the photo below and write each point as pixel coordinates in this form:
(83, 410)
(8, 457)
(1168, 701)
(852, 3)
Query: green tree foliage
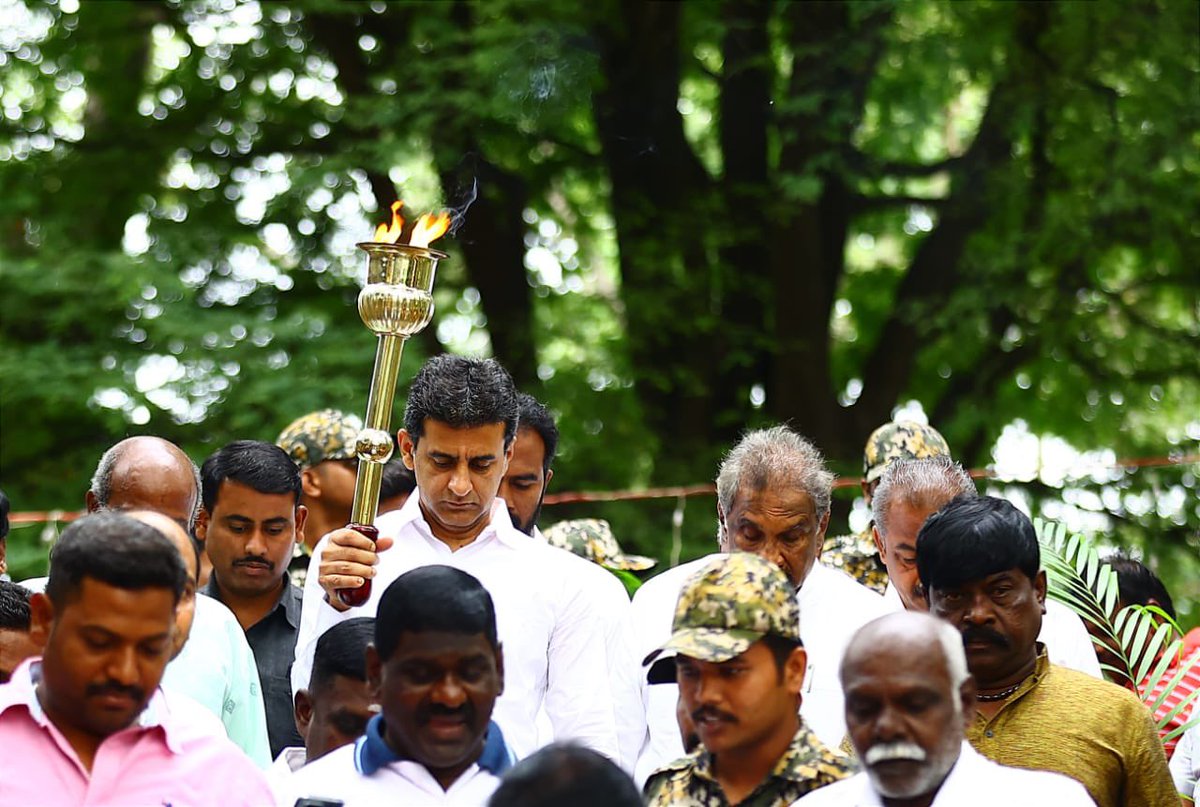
(687, 219)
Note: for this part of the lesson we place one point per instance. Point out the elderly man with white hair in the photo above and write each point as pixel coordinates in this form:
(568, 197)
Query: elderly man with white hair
(908, 699)
(773, 494)
(909, 492)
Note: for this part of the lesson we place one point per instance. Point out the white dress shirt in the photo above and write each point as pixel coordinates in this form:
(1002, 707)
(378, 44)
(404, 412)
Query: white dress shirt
(548, 615)
(334, 776)
(974, 781)
(1066, 639)
(832, 608)
(1185, 763)
(614, 604)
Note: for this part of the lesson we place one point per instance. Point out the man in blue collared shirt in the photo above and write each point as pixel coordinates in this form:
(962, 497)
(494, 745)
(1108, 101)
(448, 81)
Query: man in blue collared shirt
(438, 667)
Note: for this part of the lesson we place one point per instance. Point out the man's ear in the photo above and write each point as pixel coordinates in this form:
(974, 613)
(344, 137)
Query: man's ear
(91, 501)
(41, 613)
(408, 449)
(722, 530)
(1039, 588)
(202, 521)
(549, 476)
(794, 669)
(310, 483)
(301, 519)
(374, 670)
(302, 709)
(879, 543)
(500, 667)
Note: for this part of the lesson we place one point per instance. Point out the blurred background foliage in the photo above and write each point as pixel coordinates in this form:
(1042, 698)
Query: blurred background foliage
(687, 219)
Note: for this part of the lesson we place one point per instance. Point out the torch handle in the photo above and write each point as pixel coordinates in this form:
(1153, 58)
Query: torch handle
(355, 597)
(373, 450)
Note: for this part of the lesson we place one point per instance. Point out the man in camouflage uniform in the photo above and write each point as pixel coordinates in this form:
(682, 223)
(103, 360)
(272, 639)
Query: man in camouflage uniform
(857, 555)
(322, 446)
(592, 539)
(736, 653)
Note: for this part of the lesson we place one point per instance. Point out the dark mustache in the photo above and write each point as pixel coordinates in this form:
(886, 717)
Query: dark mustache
(251, 559)
(982, 634)
(706, 712)
(465, 713)
(113, 688)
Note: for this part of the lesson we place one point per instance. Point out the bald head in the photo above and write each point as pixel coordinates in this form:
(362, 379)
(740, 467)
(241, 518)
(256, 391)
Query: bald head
(908, 699)
(179, 536)
(146, 473)
(185, 612)
(905, 638)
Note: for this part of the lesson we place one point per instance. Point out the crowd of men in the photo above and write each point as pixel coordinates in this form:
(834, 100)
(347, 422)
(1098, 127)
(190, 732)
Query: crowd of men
(190, 645)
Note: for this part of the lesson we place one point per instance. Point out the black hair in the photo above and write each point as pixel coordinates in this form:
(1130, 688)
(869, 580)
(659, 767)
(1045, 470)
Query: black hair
(342, 650)
(397, 480)
(565, 773)
(3, 516)
(433, 598)
(462, 393)
(1137, 584)
(117, 550)
(972, 537)
(14, 606)
(264, 467)
(781, 648)
(536, 416)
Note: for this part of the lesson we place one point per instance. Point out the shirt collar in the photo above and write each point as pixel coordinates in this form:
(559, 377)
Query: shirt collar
(22, 691)
(371, 751)
(499, 523)
(290, 597)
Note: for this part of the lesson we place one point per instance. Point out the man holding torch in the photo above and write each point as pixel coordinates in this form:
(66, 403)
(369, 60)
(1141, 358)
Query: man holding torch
(459, 426)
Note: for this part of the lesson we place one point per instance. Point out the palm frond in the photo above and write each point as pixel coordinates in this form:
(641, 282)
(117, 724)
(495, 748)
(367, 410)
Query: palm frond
(1147, 642)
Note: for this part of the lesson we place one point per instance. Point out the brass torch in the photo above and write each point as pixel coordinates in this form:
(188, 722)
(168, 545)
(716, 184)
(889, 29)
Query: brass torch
(395, 303)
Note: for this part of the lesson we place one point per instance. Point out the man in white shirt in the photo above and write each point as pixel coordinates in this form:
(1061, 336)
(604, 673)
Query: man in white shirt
(522, 490)
(773, 494)
(909, 492)
(908, 698)
(1185, 764)
(438, 667)
(460, 422)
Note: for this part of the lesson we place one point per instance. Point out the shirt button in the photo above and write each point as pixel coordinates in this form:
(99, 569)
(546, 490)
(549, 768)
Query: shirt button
(989, 733)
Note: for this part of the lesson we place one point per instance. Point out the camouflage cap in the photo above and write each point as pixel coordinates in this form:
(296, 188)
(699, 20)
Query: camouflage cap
(905, 439)
(319, 436)
(593, 539)
(730, 604)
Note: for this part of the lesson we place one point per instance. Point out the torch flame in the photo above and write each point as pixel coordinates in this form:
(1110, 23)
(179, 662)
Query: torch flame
(429, 228)
(390, 235)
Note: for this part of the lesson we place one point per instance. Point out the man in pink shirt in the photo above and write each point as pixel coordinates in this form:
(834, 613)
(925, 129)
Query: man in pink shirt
(86, 724)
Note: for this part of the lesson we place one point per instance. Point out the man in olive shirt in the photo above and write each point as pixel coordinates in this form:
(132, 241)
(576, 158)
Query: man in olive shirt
(736, 654)
(979, 563)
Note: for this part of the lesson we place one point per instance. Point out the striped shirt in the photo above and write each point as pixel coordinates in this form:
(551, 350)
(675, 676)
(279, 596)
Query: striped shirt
(1186, 686)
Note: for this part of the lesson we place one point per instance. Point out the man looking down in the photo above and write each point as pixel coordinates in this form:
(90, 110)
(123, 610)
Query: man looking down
(87, 722)
(459, 425)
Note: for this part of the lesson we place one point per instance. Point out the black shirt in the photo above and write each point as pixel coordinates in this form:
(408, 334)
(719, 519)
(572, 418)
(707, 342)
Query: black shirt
(273, 640)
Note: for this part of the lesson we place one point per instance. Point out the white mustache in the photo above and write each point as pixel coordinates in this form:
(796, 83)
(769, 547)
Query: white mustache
(887, 752)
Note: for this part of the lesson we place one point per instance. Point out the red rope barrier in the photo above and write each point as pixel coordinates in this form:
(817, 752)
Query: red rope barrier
(685, 491)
